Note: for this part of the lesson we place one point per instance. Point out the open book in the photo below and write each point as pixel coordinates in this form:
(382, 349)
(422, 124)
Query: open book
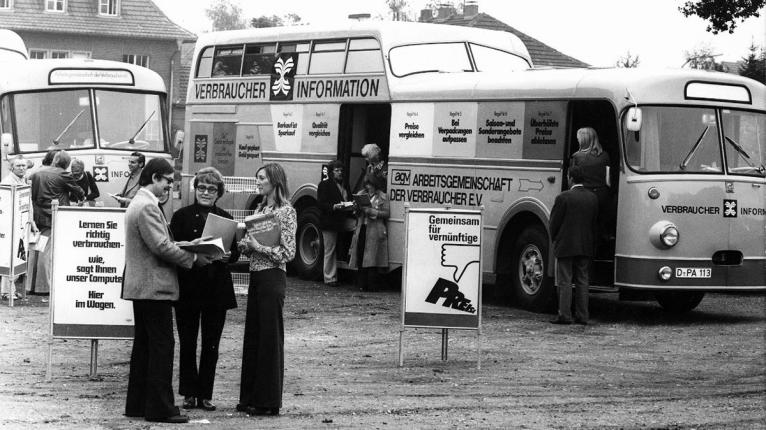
(212, 247)
(264, 228)
(362, 199)
(218, 226)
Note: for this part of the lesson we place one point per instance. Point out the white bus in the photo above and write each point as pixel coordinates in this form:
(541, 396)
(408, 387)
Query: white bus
(99, 111)
(465, 122)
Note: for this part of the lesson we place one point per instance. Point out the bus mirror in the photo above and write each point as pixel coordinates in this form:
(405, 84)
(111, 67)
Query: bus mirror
(6, 144)
(178, 143)
(634, 119)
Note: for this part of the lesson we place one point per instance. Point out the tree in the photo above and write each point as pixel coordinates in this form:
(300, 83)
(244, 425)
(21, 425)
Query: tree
(754, 65)
(722, 15)
(703, 59)
(397, 9)
(264, 21)
(225, 15)
(628, 61)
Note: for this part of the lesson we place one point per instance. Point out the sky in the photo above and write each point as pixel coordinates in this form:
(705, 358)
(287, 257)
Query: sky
(598, 32)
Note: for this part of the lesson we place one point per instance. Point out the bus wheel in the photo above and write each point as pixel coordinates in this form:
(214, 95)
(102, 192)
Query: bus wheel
(309, 257)
(678, 302)
(532, 289)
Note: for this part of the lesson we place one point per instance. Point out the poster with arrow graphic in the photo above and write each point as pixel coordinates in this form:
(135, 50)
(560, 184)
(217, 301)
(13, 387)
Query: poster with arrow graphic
(442, 268)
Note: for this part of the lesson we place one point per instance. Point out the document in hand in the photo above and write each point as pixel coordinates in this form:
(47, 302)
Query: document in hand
(218, 226)
(362, 200)
(264, 228)
(212, 247)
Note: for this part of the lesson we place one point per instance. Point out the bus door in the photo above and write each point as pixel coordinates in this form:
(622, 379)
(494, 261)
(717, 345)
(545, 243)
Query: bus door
(600, 115)
(361, 124)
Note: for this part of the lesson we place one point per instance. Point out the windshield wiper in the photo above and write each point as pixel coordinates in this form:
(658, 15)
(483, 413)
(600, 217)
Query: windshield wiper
(742, 153)
(133, 139)
(696, 146)
(71, 123)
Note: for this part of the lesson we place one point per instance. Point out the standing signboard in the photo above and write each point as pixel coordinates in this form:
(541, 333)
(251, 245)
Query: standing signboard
(15, 203)
(441, 285)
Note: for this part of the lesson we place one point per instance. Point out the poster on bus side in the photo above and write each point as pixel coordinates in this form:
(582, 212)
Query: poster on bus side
(86, 282)
(442, 268)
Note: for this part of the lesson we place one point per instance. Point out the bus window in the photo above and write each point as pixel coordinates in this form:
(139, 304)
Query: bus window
(675, 139)
(53, 120)
(432, 57)
(742, 133)
(205, 66)
(327, 57)
(227, 61)
(123, 117)
(259, 59)
(495, 60)
(303, 55)
(364, 56)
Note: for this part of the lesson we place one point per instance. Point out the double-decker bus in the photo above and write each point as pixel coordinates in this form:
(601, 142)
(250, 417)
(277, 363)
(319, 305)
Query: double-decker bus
(98, 111)
(465, 121)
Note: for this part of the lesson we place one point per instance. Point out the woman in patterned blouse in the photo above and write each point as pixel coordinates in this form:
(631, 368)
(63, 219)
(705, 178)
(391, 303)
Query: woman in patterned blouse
(263, 345)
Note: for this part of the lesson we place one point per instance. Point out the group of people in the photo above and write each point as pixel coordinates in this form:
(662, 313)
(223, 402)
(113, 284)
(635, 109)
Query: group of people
(159, 275)
(366, 217)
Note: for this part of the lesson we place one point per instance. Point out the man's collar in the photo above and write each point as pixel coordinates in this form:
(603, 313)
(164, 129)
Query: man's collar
(150, 194)
(576, 186)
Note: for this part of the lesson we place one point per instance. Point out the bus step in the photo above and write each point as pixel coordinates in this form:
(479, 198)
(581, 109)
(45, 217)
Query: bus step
(603, 289)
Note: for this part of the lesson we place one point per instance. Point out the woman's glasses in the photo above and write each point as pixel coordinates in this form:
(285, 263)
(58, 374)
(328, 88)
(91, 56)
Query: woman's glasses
(210, 189)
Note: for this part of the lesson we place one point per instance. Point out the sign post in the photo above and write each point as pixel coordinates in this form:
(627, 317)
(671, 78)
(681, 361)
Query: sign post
(86, 283)
(441, 282)
(15, 202)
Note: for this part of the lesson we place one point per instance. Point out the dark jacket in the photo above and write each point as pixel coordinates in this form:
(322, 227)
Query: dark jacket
(88, 185)
(328, 194)
(48, 184)
(209, 285)
(593, 168)
(573, 223)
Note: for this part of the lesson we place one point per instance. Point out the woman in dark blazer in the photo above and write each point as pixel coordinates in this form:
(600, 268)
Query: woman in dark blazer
(206, 293)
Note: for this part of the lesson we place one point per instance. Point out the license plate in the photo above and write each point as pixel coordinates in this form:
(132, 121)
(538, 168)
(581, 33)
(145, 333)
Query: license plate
(693, 272)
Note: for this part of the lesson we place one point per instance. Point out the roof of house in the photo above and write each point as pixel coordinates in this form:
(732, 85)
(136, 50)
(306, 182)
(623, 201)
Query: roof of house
(137, 19)
(542, 54)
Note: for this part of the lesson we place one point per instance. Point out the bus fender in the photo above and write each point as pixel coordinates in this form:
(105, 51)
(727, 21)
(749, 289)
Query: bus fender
(527, 210)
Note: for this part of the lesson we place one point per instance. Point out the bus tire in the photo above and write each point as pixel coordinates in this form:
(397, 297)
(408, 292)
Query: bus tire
(309, 251)
(678, 302)
(531, 288)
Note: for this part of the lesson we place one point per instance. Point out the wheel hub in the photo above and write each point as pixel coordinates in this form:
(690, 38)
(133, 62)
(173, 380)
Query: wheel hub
(531, 269)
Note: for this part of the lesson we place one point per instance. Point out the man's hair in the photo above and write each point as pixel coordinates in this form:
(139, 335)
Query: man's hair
(48, 159)
(17, 158)
(370, 149)
(62, 159)
(576, 174)
(155, 167)
(141, 158)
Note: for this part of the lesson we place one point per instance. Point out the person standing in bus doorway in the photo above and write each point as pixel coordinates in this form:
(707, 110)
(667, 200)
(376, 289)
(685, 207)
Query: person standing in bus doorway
(86, 181)
(136, 164)
(573, 227)
(206, 293)
(151, 283)
(594, 162)
(50, 183)
(263, 346)
(17, 176)
(376, 165)
(334, 217)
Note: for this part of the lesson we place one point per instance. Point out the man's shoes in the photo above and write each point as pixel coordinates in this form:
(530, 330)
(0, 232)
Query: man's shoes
(332, 284)
(175, 419)
(241, 407)
(253, 411)
(205, 404)
(581, 322)
(561, 321)
(189, 402)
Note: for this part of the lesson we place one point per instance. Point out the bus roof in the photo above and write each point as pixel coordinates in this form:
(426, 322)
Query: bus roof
(69, 73)
(646, 86)
(12, 46)
(389, 33)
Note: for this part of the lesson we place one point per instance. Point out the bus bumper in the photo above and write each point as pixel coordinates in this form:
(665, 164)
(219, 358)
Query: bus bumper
(643, 273)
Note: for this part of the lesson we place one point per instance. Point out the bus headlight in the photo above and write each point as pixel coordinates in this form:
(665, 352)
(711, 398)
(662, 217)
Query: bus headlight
(665, 272)
(664, 234)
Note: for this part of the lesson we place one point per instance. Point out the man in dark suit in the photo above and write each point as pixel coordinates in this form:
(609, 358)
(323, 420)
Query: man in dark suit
(330, 195)
(573, 229)
(151, 282)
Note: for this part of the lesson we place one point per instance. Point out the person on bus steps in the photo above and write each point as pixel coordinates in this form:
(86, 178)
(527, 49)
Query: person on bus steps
(573, 227)
(594, 163)
(376, 165)
(334, 217)
(369, 247)
(136, 163)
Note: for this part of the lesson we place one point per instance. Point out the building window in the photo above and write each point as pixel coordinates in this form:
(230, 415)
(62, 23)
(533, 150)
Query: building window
(55, 5)
(59, 54)
(138, 60)
(108, 7)
(38, 54)
(6, 4)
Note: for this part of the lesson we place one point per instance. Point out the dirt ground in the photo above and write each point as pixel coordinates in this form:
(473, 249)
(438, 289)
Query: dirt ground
(633, 367)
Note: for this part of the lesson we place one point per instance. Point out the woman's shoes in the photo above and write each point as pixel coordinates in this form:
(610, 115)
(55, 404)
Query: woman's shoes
(254, 411)
(205, 404)
(189, 402)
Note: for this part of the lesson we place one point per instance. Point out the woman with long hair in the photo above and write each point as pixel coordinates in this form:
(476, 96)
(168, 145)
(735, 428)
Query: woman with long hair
(594, 162)
(263, 345)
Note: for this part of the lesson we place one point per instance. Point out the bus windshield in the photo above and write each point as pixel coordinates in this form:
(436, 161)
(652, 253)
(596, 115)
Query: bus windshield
(64, 120)
(686, 140)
